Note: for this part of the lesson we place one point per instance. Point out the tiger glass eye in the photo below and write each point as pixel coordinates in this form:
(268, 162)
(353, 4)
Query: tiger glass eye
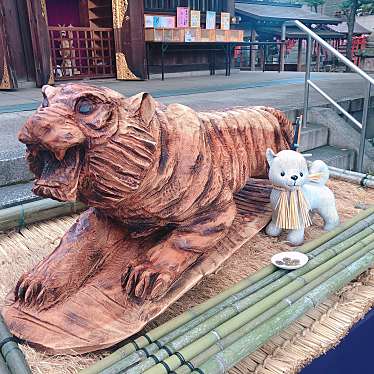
(301, 174)
(45, 102)
(283, 173)
(85, 107)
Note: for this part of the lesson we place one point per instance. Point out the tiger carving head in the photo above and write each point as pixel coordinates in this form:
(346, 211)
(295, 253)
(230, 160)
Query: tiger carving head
(89, 143)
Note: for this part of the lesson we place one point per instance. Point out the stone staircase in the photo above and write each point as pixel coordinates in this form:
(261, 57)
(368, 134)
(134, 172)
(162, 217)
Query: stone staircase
(315, 140)
(16, 179)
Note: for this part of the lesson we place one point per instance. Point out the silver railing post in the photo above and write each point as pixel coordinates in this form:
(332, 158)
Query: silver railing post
(307, 78)
(365, 113)
(282, 47)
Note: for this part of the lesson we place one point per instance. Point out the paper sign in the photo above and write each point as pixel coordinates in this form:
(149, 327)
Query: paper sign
(182, 17)
(169, 22)
(157, 22)
(163, 22)
(225, 21)
(188, 37)
(148, 21)
(210, 20)
(195, 18)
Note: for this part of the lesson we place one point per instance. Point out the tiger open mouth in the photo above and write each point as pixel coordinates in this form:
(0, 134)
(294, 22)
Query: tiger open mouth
(54, 178)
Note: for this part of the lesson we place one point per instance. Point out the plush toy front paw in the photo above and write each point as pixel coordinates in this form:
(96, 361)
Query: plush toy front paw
(273, 230)
(296, 237)
(146, 281)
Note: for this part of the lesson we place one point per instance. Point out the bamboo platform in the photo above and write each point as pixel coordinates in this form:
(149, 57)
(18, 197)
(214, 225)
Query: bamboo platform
(310, 336)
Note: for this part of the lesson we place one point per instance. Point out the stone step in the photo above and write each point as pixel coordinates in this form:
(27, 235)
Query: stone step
(13, 168)
(16, 194)
(313, 136)
(342, 158)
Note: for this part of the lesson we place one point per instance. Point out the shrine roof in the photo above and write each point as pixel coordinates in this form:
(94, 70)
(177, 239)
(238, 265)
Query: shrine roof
(280, 12)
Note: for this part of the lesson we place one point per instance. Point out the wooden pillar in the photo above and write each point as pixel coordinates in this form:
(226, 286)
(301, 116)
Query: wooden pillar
(299, 54)
(230, 7)
(37, 13)
(128, 23)
(252, 53)
(318, 53)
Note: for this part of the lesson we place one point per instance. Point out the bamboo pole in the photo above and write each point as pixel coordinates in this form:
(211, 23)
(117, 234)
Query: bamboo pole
(223, 361)
(23, 214)
(193, 331)
(3, 366)
(242, 311)
(364, 180)
(351, 172)
(10, 351)
(230, 339)
(179, 325)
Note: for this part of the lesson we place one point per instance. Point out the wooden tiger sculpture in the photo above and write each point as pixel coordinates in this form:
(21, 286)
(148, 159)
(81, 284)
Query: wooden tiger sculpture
(162, 175)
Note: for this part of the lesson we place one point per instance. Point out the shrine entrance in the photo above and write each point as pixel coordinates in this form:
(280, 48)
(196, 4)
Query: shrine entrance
(81, 38)
(85, 39)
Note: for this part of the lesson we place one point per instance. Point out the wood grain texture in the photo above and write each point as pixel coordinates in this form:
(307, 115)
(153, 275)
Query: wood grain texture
(160, 182)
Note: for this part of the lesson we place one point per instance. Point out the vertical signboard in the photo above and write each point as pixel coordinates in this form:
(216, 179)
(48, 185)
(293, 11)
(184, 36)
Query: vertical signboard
(182, 17)
(210, 20)
(225, 21)
(195, 18)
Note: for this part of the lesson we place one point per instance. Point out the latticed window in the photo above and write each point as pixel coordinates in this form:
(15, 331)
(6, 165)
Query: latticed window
(171, 5)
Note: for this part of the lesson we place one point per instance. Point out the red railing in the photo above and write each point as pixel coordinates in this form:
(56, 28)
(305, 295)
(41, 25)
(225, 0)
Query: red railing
(82, 52)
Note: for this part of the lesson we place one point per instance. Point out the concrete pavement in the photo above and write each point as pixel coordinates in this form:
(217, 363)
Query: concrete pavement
(282, 90)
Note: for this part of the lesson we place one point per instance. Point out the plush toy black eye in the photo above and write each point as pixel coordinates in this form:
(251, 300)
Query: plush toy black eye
(283, 173)
(85, 107)
(301, 174)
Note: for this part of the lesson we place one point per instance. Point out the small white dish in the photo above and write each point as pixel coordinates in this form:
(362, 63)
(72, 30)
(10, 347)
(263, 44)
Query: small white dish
(278, 260)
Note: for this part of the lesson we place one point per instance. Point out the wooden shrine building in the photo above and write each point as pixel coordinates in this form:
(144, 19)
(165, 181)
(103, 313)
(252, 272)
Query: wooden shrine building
(262, 21)
(50, 40)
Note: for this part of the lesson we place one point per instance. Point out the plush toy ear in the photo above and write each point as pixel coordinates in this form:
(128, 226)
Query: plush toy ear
(144, 105)
(270, 155)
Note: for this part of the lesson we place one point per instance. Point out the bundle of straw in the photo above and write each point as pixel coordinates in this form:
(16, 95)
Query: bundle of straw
(194, 338)
(292, 210)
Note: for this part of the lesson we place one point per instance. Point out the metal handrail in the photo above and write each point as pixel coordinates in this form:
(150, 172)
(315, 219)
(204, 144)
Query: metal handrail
(308, 83)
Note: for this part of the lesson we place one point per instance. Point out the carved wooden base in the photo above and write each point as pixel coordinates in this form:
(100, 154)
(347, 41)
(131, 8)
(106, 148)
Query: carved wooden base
(97, 313)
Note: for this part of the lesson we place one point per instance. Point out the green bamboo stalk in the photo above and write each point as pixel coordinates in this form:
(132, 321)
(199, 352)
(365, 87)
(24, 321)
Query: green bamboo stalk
(10, 351)
(220, 313)
(179, 325)
(223, 361)
(246, 309)
(231, 338)
(3, 366)
(23, 214)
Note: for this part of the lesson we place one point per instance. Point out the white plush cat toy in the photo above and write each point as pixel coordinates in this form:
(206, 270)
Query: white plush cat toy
(296, 191)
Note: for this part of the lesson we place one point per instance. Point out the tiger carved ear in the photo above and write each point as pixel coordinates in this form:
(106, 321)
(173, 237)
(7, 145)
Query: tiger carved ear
(144, 105)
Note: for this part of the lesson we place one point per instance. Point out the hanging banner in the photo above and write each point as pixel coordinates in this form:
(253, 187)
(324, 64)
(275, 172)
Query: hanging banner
(195, 18)
(225, 21)
(210, 20)
(182, 16)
